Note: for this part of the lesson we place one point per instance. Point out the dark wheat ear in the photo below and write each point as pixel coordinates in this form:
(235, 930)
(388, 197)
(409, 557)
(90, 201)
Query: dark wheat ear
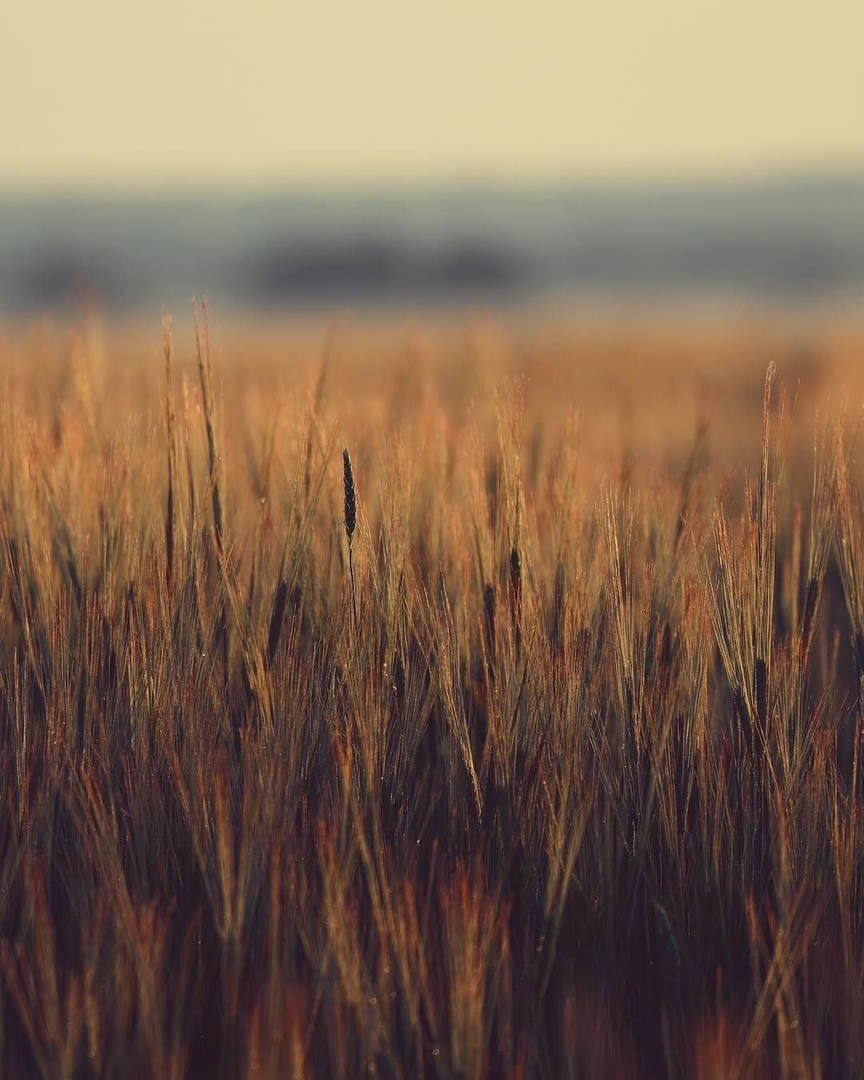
(350, 522)
(350, 496)
(172, 454)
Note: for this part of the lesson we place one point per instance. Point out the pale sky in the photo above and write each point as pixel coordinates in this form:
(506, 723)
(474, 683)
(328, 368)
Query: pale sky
(168, 92)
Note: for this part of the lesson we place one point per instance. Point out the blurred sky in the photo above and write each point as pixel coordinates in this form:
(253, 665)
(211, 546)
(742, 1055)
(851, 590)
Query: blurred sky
(186, 93)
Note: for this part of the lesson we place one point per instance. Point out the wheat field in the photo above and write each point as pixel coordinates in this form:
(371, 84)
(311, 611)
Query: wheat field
(454, 700)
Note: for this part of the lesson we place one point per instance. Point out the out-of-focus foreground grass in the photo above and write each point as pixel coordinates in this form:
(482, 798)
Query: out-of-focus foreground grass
(576, 792)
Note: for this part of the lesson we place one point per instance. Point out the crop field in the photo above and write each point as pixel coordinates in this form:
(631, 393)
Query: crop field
(448, 700)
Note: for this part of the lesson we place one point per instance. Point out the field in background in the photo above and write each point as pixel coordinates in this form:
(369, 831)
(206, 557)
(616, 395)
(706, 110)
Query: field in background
(564, 781)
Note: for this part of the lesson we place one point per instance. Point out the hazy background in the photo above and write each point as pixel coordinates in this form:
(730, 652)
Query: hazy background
(329, 152)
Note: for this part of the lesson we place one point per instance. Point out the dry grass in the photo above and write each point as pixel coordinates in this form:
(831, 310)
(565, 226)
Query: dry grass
(500, 748)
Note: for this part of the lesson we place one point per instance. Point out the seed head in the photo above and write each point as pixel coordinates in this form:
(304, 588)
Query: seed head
(350, 496)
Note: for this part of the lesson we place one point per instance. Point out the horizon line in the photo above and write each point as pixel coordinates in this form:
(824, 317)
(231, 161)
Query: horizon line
(333, 187)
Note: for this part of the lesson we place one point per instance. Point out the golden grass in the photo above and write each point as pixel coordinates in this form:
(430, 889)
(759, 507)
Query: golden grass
(525, 741)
